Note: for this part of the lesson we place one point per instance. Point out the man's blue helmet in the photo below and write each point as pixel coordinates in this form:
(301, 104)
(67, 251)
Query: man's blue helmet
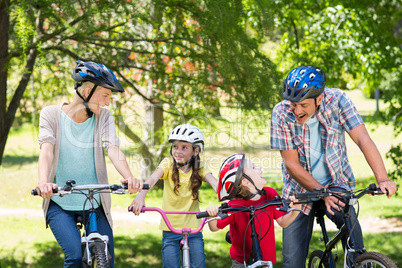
(303, 82)
(96, 73)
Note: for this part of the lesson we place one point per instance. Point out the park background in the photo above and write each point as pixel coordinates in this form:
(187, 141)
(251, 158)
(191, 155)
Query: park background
(216, 64)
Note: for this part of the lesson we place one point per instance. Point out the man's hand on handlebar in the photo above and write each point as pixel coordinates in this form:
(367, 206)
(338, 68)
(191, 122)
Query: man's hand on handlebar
(388, 188)
(331, 202)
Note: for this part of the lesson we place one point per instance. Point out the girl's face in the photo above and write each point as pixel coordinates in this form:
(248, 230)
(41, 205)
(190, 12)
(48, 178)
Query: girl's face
(183, 151)
(99, 99)
(254, 173)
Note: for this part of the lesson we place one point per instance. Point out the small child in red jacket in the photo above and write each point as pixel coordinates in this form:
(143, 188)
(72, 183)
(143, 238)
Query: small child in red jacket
(240, 181)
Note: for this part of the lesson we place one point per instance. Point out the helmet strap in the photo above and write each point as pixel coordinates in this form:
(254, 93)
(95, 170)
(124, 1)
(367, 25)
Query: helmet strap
(89, 112)
(259, 191)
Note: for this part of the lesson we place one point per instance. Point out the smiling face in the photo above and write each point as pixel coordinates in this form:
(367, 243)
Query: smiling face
(99, 99)
(304, 110)
(182, 151)
(255, 173)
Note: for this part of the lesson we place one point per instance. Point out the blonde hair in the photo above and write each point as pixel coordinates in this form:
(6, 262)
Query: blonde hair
(81, 89)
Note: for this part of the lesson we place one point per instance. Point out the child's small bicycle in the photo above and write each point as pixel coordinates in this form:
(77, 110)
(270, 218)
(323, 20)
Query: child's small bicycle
(354, 256)
(256, 259)
(94, 246)
(185, 232)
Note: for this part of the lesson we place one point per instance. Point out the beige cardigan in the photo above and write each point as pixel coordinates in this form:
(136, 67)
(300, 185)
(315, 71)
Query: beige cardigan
(104, 137)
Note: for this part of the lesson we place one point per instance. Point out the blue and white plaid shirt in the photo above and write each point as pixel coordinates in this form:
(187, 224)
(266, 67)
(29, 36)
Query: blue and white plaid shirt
(337, 113)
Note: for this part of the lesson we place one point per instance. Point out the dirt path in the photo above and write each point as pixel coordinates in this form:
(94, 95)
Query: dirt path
(368, 224)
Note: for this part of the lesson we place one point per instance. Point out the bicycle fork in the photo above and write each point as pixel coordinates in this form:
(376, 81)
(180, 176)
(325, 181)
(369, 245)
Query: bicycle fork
(186, 248)
(93, 237)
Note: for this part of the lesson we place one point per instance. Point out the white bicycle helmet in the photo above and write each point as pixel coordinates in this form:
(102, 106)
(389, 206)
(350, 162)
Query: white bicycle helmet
(188, 133)
(230, 176)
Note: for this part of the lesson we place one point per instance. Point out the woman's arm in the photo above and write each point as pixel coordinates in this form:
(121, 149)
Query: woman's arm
(45, 188)
(120, 163)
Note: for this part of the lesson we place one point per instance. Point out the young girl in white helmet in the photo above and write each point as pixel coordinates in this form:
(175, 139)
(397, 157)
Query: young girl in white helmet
(241, 182)
(182, 175)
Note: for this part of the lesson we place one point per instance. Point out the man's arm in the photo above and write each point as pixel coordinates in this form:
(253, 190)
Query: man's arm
(373, 157)
(296, 171)
(304, 178)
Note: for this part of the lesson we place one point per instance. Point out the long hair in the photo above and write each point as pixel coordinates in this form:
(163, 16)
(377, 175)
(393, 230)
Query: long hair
(195, 179)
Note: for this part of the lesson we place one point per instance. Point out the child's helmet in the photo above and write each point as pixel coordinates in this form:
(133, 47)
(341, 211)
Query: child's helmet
(187, 133)
(303, 82)
(230, 176)
(96, 73)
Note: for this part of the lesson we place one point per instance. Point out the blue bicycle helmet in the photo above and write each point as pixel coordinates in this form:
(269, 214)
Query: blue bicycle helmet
(96, 73)
(303, 82)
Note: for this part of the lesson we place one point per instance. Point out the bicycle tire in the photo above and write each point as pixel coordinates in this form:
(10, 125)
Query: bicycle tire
(315, 258)
(99, 259)
(374, 259)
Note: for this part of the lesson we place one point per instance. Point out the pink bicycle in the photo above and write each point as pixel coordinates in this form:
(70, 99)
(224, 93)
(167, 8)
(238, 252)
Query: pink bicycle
(185, 232)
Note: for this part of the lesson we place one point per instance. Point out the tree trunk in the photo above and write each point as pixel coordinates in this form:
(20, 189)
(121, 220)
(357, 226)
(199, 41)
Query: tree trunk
(7, 114)
(4, 26)
(153, 122)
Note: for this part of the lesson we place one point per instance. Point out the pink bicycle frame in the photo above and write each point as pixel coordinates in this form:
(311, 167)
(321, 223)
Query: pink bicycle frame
(185, 231)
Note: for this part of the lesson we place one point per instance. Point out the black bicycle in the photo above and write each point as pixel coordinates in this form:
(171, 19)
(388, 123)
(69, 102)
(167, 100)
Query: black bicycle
(354, 256)
(94, 246)
(225, 209)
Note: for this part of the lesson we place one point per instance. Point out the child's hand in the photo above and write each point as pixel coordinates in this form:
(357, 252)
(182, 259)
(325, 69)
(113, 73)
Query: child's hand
(212, 210)
(137, 204)
(294, 200)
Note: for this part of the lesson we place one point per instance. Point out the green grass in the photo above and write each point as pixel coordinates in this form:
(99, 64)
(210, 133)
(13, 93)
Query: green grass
(27, 243)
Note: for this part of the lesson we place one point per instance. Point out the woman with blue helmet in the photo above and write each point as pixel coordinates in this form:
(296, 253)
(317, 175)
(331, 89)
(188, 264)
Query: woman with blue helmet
(72, 144)
(308, 128)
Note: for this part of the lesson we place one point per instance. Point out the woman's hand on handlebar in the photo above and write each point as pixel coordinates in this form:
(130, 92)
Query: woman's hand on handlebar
(134, 185)
(331, 202)
(45, 189)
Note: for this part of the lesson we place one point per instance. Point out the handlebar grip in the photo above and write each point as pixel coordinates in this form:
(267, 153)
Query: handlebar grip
(304, 196)
(203, 214)
(145, 187)
(34, 192)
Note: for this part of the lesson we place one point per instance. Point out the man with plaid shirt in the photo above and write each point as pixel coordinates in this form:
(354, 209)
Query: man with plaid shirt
(308, 128)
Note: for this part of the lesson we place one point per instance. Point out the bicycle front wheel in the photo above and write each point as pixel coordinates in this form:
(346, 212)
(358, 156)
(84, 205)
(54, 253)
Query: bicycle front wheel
(374, 259)
(99, 259)
(315, 258)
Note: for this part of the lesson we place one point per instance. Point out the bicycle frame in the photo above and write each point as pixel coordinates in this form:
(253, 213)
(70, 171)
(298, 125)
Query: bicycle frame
(353, 254)
(185, 232)
(91, 236)
(330, 243)
(257, 260)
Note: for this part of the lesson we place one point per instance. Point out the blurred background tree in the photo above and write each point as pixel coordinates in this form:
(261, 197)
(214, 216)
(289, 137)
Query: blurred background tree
(184, 60)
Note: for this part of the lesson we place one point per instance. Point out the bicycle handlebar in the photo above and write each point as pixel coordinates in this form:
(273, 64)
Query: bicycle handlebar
(68, 188)
(283, 205)
(302, 199)
(324, 192)
(168, 224)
